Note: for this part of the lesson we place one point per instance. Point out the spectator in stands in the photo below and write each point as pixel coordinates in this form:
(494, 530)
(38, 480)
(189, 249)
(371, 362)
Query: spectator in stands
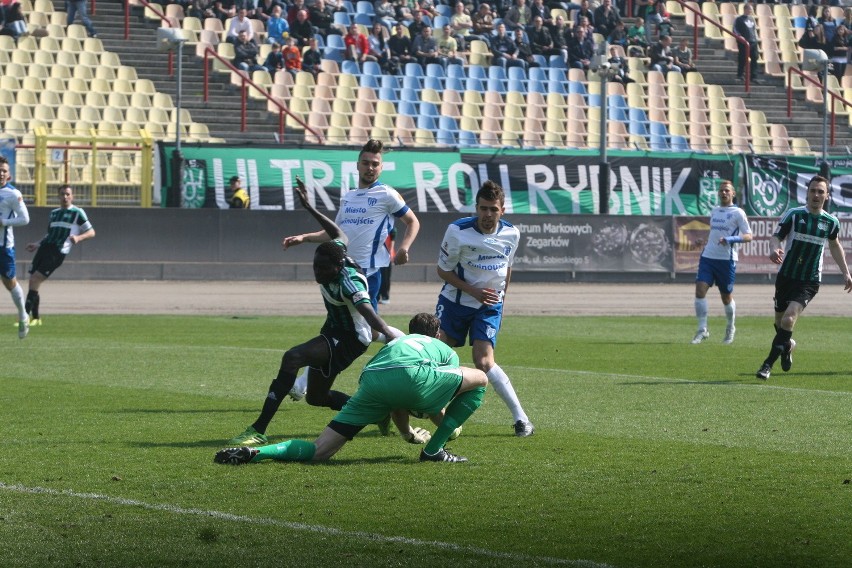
(561, 34)
(518, 16)
(847, 18)
(322, 18)
(78, 8)
(838, 51)
(654, 16)
(403, 12)
(293, 11)
(415, 28)
(813, 39)
(428, 7)
(683, 57)
(827, 23)
(292, 55)
(525, 53)
(238, 25)
(225, 9)
(401, 51)
(245, 54)
(448, 48)
(425, 47)
(665, 27)
(385, 13)
(483, 23)
(746, 28)
(584, 12)
(579, 55)
(12, 22)
(637, 41)
(605, 18)
(618, 35)
(264, 10)
(302, 29)
(541, 42)
(275, 59)
(357, 46)
(661, 56)
(620, 67)
(277, 28)
(379, 45)
(589, 39)
(312, 58)
(462, 25)
(202, 9)
(250, 6)
(239, 197)
(537, 8)
(504, 49)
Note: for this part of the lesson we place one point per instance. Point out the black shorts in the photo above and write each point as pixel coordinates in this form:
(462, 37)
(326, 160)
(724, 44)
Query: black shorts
(343, 349)
(47, 259)
(788, 290)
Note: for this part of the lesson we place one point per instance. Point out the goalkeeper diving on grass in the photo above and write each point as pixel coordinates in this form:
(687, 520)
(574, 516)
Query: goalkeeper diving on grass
(415, 373)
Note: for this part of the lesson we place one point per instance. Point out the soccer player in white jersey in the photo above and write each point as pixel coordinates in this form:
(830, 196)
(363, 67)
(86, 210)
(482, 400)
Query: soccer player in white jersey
(718, 263)
(13, 213)
(475, 263)
(366, 216)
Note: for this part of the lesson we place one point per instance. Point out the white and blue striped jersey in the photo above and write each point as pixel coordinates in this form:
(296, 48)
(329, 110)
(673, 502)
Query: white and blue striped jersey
(479, 259)
(725, 222)
(365, 217)
(14, 213)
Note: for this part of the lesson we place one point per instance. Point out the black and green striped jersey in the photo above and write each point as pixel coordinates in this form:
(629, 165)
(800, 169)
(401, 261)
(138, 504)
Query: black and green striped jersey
(340, 297)
(62, 224)
(804, 237)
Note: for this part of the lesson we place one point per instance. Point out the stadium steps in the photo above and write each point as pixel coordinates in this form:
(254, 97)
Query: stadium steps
(718, 67)
(222, 111)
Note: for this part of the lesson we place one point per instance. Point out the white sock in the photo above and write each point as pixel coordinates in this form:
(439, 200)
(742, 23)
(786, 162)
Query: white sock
(701, 312)
(503, 387)
(383, 339)
(18, 297)
(731, 313)
(302, 380)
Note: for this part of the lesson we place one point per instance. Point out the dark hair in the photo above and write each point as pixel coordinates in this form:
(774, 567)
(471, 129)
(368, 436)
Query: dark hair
(233, 179)
(372, 147)
(3, 160)
(424, 324)
(822, 179)
(333, 251)
(490, 191)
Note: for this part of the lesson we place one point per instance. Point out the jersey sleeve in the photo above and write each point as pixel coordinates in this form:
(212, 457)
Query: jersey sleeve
(835, 230)
(353, 288)
(22, 215)
(83, 221)
(448, 256)
(784, 226)
(396, 204)
(743, 226)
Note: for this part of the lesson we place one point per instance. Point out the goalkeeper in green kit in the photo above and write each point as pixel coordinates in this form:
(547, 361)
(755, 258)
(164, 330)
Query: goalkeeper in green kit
(414, 373)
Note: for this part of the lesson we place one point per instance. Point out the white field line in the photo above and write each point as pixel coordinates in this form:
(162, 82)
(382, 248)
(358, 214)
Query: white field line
(519, 559)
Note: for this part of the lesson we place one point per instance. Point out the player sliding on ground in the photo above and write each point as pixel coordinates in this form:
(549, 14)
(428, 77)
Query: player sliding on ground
(415, 373)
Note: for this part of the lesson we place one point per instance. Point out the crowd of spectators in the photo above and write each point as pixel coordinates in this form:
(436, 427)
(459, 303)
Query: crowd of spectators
(516, 32)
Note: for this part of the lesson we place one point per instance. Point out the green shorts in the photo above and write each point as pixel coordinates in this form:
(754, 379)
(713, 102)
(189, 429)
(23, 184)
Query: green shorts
(422, 389)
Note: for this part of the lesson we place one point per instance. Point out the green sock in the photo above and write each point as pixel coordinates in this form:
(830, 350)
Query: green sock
(457, 412)
(291, 450)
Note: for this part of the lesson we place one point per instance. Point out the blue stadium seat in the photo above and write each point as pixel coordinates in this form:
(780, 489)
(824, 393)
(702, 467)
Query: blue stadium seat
(617, 108)
(593, 100)
(427, 122)
(433, 83)
(537, 86)
(517, 85)
(517, 73)
(638, 122)
(477, 72)
(446, 137)
(409, 82)
(448, 123)
(497, 72)
(429, 109)
(454, 84)
(363, 19)
(409, 94)
(408, 108)
(444, 9)
(497, 85)
(557, 87)
(679, 144)
(387, 94)
(435, 70)
(342, 19)
(540, 59)
(364, 7)
(557, 74)
(350, 67)
(537, 74)
(391, 82)
(369, 80)
(333, 53)
(440, 21)
(348, 6)
(473, 84)
(659, 137)
(468, 139)
(557, 62)
(371, 68)
(454, 70)
(414, 70)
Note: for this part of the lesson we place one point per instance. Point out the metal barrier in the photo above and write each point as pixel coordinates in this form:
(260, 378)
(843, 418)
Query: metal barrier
(115, 171)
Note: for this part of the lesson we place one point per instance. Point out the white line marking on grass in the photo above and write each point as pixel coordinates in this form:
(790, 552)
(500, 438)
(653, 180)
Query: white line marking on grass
(371, 537)
(676, 380)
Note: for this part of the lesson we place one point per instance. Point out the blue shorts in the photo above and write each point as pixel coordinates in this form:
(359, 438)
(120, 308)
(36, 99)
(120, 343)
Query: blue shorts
(716, 271)
(374, 284)
(7, 263)
(460, 322)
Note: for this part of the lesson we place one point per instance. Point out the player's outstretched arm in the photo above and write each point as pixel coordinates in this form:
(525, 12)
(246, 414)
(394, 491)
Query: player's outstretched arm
(330, 230)
(376, 322)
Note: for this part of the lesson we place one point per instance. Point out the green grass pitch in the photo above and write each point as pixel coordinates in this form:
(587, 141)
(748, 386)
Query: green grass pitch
(648, 452)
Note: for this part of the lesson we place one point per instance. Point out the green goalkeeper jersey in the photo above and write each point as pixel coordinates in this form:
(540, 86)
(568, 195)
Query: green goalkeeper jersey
(413, 351)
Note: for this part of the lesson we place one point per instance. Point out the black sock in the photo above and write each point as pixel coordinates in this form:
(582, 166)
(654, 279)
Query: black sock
(779, 343)
(277, 391)
(31, 304)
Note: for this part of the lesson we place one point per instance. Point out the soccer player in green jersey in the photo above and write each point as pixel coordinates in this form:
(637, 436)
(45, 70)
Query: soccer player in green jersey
(67, 226)
(350, 325)
(804, 231)
(415, 373)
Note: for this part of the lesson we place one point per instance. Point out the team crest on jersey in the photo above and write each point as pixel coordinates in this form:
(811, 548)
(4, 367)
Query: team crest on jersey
(822, 226)
(491, 333)
(506, 250)
(371, 201)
